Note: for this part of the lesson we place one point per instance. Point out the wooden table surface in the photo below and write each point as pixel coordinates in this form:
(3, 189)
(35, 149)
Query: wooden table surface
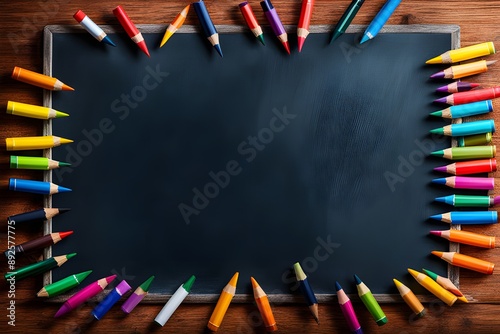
(21, 24)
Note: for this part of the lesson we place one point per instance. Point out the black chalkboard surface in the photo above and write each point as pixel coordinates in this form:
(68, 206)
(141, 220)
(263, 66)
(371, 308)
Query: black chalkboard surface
(187, 163)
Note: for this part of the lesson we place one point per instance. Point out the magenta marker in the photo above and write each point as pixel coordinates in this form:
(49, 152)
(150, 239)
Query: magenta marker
(464, 182)
(137, 296)
(107, 303)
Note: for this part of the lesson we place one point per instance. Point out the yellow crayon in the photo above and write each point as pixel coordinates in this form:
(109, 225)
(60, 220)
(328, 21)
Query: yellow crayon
(38, 79)
(410, 298)
(176, 24)
(32, 111)
(466, 53)
(222, 304)
(437, 290)
(34, 143)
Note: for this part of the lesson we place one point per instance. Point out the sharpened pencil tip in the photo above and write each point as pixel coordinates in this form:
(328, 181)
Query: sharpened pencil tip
(441, 100)
(438, 75)
(441, 180)
(438, 233)
(357, 279)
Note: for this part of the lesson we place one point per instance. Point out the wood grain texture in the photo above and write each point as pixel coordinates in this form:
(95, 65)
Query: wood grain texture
(21, 42)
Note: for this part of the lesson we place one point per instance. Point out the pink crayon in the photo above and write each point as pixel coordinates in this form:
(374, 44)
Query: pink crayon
(463, 182)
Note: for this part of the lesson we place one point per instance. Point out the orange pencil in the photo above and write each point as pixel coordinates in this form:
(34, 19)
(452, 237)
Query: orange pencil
(264, 306)
(39, 80)
(175, 25)
(467, 262)
(468, 238)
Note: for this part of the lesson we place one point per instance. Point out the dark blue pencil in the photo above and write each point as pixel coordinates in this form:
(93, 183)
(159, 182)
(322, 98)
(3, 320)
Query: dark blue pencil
(207, 25)
(307, 291)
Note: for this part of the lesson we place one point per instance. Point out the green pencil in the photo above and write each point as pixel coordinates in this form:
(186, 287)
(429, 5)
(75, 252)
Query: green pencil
(63, 285)
(38, 267)
(370, 302)
(467, 153)
(346, 18)
(39, 163)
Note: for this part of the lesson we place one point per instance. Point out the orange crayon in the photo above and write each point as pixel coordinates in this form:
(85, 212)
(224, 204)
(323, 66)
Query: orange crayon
(467, 262)
(38, 79)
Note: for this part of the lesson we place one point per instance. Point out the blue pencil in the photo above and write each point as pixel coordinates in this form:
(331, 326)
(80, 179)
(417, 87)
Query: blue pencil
(379, 20)
(306, 290)
(207, 25)
(468, 217)
(36, 187)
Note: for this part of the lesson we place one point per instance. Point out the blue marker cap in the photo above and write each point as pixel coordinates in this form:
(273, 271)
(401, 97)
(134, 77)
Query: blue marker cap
(110, 300)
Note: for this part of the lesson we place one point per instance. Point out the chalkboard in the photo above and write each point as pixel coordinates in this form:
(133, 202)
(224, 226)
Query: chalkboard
(188, 163)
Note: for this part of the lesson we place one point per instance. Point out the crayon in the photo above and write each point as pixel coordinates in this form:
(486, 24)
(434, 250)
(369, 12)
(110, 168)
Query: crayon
(446, 283)
(470, 96)
(466, 129)
(63, 285)
(34, 143)
(467, 153)
(346, 19)
(275, 22)
(464, 182)
(437, 290)
(32, 111)
(83, 295)
(264, 307)
(138, 295)
(38, 79)
(370, 302)
(304, 21)
(469, 200)
(348, 311)
(222, 304)
(37, 163)
(465, 110)
(249, 16)
(37, 215)
(467, 238)
(92, 28)
(475, 140)
(175, 25)
(410, 299)
(467, 262)
(457, 86)
(469, 167)
(110, 300)
(468, 217)
(131, 29)
(36, 187)
(207, 25)
(379, 20)
(173, 303)
(307, 291)
(38, 267)
(465, 53)
(463, 70)
(38, 243)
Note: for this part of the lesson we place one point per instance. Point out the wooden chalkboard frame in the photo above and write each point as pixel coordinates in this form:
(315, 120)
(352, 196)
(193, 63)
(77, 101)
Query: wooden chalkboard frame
(50, 30)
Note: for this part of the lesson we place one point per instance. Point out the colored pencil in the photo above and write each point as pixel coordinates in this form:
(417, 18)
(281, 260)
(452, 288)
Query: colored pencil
(457, 86)
(467, 238)
(38, 267)
(370, 302)
(346, 19)
(463, 70)
(464, 182)
(437, 290)
(466, 129)
(83, 295)
(446, 283)
(63, 285)
(275, 23)
(347, 310)
(131, 29)
(37, 215)
(110, 300)
(470, 96)
(264, 307)
(469, 167)
(138, 295)
(410, 299)
(465, 53)
(379, 20)
(467, 153)
(207, 25)
(173, 303)
(304, 22)
(36, 187)
(38, 79)
(92, 28)
(465, 110)
(469, 200)
(251, 20)
(222, 304)
(475, 140)
(468, 217)
(32, 111)
(307, 291)
(34, 143)
(175, 25)
(37, 163)
(467, 262)
(38, 243)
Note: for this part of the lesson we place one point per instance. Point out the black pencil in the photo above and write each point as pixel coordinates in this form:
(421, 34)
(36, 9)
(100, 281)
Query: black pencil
(37, 215)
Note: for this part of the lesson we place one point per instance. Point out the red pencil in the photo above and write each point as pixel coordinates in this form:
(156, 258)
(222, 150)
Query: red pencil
(304, 21)
(469, 167)
(131, 29)
(471, 96)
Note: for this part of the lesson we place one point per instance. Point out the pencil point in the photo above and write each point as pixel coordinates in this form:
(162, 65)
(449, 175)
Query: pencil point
(336, 35)
(438, 113)
(438, 75)
(439, 153)
(287, 46)
(439, 254)
(364, 39)
(254, 282)
(60, 114)
(435, 60)
(165, 38)
(69, 256)
(300, 43)
(108, 41)
(440, 199)
(438, 131)
(441, 100)
(63, 210)
(219, 50)
(438, 233)
(436, 217)
(65, 141)
(61, 189)
(442, 169)
(65, 234)
(142, 45)
(66, 87)
(414, 273)
(109, 279)
(441, 180)
(145, 286)
(189, 283)
(64, 164)
(356, 278)
(234, 279)
(261, 39)
(337, 286)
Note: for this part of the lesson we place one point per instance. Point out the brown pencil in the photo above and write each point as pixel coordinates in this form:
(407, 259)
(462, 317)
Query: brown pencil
(39, 243)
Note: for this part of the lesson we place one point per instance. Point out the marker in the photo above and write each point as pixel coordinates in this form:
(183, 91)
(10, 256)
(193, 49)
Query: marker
(37, 215)
(379, 20)
(463, 70)
(251, 20)
(207, 25)
(410, 299)
(83, 295)
(370, 302)
(131, 29)
(446, 283)
(457, 86)
(32, 111)
(467, 153)
(36, 187)
(137, 296)
(469, 200)
(222, 304)
(107, 303)
(437, 290)
(465, 53)
(175, 25)
(348, 310)
(346, 19)
(307, 291)
(37, 163)
(467, 262)
(475, 140)
(38, 243)
(470, 96)
(467, 238)
(92, 28)
(468, 217)
(304, 21)
(466, 129)
(465, 110)
(38, 267)
(464, 182)
(469, 167)
(63, 285)
(38, 79)
(34, 143)
(173, 303)
(275, 23)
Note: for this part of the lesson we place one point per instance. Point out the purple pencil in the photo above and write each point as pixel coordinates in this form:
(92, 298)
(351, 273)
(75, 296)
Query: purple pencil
(457, 86)
(136, 297)
(464, 182)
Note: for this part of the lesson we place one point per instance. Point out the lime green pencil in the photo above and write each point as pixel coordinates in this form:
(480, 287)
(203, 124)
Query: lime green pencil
(63, 285)
(32, 111)
(37, 267)
(370, 302)
(38, 163)
(467, 153)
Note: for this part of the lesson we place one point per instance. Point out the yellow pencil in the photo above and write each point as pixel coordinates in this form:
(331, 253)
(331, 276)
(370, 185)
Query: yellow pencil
(34, 143)
(437, 290)
(32, 111)
(176, 24)
(39, 80)
(222, 304)
(465, 53)
(264, 307)
(410, 298)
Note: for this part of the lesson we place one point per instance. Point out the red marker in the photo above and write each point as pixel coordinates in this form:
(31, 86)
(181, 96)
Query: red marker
(304, 20)
(131, 29)
(471, 96)
(469, 167)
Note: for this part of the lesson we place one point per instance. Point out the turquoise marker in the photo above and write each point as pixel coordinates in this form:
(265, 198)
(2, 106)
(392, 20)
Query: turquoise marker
(36, 187)
(466, 129)
(468, 217)
(379, 20)
(465, 110)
